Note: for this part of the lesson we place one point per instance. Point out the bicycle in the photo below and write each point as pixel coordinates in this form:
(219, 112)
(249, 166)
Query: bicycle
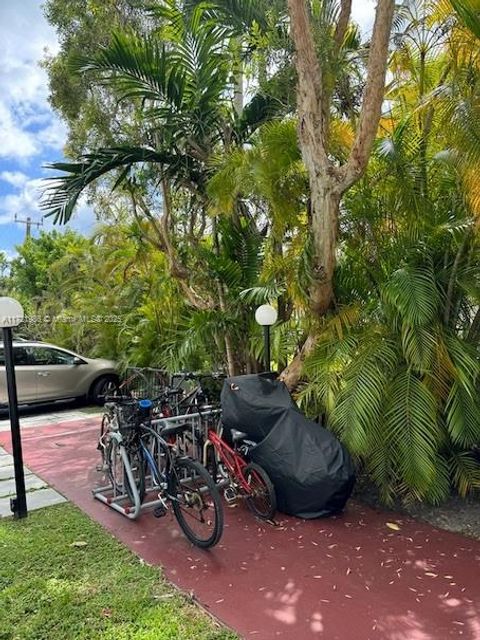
(139, 460)
(139, 383)
(229, 465)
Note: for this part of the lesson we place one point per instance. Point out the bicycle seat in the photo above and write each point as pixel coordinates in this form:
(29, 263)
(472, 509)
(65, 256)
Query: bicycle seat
(238, 435)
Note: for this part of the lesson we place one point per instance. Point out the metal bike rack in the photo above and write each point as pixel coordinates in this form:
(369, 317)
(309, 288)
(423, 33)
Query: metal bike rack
(121, 502)
(193, 419)
(109, 495)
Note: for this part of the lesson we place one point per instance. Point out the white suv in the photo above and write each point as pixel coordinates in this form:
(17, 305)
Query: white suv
(45, 373)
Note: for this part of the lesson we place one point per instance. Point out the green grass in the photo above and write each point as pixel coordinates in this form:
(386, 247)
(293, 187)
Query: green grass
(51, 589)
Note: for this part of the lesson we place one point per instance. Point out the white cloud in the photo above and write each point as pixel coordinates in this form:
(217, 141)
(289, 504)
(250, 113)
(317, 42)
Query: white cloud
(25, 202)
(15, 142)
(25, 36)
(15, 178)
(54, 135)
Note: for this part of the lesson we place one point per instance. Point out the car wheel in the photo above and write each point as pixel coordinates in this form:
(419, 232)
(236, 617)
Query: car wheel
(104, 386)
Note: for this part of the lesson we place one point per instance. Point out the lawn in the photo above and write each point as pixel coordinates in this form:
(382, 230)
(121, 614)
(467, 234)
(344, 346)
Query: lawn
(63, 577)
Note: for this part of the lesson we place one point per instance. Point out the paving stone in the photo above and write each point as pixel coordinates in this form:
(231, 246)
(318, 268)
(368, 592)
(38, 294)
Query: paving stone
(7, 487)
(6, 460)
(8, 472)
(44, 498)
(35, 500)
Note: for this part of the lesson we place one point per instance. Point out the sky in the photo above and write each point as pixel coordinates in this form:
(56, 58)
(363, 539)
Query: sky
(31, 134)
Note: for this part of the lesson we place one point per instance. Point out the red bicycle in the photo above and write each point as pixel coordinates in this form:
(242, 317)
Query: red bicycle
(243, 480)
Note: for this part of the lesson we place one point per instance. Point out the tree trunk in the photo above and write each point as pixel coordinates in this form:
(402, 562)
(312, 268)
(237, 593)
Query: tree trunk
(325, 207)
(325, 203)
(328, 182)
(292, 374)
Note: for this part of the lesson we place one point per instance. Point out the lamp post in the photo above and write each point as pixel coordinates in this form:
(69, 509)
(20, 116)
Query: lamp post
(11, 315)
(266, 316)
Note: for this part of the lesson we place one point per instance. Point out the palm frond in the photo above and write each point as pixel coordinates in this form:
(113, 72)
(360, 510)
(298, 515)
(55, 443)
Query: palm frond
(463, 416)
(412, 292)
(137, 66)
(365, 381)
(63, 192)
(467, 11)
(411, 419)
(418, 345)
(465, 472)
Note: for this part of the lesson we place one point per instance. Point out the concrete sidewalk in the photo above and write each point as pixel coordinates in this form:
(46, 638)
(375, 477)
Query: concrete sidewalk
(49, 415)
(366, 575)
(39, 494)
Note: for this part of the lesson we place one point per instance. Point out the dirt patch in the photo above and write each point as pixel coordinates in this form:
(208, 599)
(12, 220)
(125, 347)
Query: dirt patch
(461, 515)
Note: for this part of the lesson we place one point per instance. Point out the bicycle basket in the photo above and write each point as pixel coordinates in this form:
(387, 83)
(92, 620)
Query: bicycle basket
(143, 383)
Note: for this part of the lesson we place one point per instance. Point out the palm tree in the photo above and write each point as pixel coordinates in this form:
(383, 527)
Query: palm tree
(180, 76)
(396, 372)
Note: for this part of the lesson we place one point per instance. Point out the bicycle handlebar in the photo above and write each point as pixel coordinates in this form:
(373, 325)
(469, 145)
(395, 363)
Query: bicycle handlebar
(120, 399)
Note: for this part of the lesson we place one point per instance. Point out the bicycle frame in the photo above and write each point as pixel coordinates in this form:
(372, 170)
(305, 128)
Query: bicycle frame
(230, 458)
(107, 494)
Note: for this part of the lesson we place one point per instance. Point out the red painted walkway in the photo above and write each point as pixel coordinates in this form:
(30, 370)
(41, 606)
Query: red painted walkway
(347, 578)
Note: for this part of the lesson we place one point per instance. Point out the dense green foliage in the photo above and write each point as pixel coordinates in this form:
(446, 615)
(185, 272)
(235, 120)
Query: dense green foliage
(196, 174)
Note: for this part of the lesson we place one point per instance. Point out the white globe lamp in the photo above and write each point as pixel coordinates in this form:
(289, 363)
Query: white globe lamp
(266, 316)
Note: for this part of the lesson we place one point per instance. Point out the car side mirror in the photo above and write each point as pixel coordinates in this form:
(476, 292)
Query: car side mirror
(77, 361)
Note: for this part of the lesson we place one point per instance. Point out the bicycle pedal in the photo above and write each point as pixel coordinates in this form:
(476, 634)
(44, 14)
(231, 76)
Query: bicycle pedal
(159, 512)
(230, 495)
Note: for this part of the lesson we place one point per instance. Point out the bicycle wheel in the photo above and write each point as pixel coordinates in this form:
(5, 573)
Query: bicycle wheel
(114, 465)
(118, 475)
(137, 465)
(196, 503)
(101, 445)
(210, 461)
(261, 500)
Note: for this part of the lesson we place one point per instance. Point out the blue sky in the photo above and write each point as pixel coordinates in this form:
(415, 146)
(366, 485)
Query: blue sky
(30, 132)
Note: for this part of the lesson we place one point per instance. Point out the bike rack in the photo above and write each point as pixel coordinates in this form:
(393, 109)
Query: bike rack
(121, 502)
(195, 420)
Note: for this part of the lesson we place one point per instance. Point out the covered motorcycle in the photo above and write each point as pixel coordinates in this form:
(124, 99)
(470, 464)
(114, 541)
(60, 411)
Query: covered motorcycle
(312, 472)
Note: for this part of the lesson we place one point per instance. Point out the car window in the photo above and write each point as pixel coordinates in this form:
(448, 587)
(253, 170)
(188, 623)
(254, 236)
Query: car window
(47, 356)
(20, 356)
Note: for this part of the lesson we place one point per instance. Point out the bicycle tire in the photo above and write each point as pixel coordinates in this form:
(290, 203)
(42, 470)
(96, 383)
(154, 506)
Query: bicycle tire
(137, 464)
(104, 427)
(263, 501)
(210, 462)
(194, 468)
(112, 461)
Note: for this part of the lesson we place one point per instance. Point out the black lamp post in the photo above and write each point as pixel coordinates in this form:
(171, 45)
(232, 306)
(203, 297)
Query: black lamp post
(266, 316)
(11, 315)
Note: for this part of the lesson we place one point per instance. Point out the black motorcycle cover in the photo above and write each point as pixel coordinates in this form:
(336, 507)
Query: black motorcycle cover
(312, 472)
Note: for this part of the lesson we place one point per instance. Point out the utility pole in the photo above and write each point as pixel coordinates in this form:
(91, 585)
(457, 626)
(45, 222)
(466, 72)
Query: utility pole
(28, 223)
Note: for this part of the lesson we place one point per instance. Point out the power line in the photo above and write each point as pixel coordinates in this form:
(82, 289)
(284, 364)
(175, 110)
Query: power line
(28, 223)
